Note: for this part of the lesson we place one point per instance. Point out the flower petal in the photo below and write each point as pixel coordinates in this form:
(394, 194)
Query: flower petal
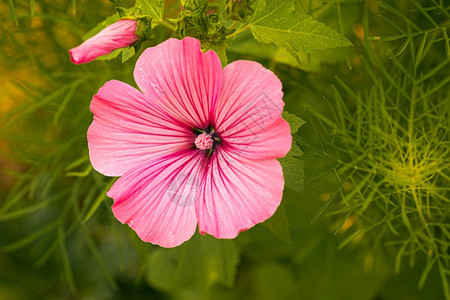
(157, 199)
(248, 114)
(129, 129)
(238, 193)
(185, 81)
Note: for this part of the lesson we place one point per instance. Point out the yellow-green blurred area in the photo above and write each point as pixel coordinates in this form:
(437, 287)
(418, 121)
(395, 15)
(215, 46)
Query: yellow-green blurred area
(376, 166)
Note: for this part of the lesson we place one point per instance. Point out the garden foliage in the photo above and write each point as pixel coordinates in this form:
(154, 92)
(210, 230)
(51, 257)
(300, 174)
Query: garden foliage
(365, 210)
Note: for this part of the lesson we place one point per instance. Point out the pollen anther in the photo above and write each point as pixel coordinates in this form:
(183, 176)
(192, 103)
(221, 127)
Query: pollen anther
(204, 141)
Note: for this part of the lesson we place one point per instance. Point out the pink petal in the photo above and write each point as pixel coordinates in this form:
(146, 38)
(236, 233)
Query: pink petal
(248, 114)
(238, 193)
(117, 35)
(157, 199)
(185, 81)
(129, 130)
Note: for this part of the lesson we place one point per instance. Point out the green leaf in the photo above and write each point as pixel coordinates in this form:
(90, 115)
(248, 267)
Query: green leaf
(200, 262)
(219, 48)
(13, 11)
(294, 122)
(245, 44)
(31, 208)
(279, 224)
(101, 197)
(293, 169)
(29, 239)
(127, 53)
(150, 8)
(32, 5)
(74, 6)
(66, 266)
(95, 251)
(291, 163)
(277, 22)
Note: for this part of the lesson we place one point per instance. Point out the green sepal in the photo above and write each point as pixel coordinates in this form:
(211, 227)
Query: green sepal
(144, 28)
(111, 55)
(126, 13)
(238, 10)
(209, 27)
(195, 6)
(216, 30)
(127, 52)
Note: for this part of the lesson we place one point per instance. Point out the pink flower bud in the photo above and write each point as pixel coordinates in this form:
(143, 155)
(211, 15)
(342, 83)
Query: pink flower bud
(118, 35)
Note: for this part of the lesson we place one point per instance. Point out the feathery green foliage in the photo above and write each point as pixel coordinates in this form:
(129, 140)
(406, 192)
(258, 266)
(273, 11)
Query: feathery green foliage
(389, 143)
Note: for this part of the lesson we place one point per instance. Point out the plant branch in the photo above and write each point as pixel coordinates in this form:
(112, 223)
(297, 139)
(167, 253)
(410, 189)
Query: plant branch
(238, 31)
(165, 24)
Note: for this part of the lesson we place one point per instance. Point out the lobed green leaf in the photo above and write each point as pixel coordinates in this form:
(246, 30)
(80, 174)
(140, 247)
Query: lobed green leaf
(278, 22)
(279, 223)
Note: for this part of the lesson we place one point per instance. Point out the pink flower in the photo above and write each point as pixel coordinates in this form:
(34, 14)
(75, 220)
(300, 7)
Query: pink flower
(198, 145)
(118, 35)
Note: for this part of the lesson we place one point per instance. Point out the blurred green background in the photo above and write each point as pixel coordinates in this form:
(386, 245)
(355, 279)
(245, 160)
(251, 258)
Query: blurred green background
(59, 239)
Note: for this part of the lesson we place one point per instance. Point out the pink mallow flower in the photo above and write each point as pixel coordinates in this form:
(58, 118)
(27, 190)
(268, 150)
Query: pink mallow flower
(117, 35)
(199, 145)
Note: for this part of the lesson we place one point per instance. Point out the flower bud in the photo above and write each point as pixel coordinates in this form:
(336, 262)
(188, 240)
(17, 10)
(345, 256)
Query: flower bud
(117, 35)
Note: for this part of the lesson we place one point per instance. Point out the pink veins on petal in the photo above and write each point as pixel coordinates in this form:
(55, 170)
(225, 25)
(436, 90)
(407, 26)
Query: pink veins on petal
(197, 146)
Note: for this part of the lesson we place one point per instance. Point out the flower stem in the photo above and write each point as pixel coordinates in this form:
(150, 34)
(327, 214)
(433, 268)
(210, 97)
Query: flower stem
(165, 24)
(238, 31)
(233, 25)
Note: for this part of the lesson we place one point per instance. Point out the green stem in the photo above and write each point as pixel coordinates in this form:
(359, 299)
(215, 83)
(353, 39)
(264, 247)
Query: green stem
(165, 24)
(238, 31)
(233, 25)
